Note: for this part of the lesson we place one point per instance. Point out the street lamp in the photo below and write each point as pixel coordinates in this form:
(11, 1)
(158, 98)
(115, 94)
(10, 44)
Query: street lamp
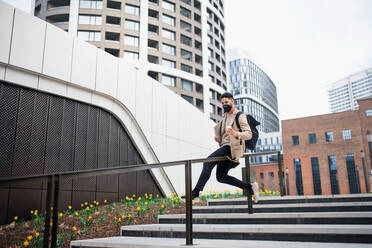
(364, 170)
(287, 180)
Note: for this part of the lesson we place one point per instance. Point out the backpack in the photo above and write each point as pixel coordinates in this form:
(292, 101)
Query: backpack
(250, 144)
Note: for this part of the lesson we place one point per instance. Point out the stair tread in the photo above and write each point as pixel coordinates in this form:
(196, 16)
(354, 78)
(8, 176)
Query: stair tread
(274, 215)
(134, 242)
(258, 228)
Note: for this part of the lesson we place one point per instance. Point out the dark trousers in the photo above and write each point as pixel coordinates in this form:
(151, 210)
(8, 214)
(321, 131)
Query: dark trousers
(223, 168)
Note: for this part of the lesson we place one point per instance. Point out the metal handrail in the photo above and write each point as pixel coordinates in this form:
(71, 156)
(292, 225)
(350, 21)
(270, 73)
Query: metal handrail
(54, 181)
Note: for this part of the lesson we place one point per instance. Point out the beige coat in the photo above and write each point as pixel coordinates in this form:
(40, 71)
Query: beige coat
(237, 144)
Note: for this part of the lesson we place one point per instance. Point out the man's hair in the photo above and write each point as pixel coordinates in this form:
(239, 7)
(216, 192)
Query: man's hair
(226, 94)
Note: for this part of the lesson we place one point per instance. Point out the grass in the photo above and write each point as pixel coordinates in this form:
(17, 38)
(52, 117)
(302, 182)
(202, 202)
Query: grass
(98, 220)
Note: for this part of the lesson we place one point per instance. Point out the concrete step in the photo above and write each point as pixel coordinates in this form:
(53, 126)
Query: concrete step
(305, 233)
(145, 242)
(293, 207)
(295, 199)
(330, 218)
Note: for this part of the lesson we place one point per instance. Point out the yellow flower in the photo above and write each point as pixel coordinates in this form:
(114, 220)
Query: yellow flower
(29, 237)
(105, 201)
(82, 205)
(37, 234)
(150, 194)
(74, 228)
(94, 201)
(127, 198)
(119, 220)
(97, 203)
(15, 217)
(26, 243)
(87, 208)
(138, 209)
(134, 195)
(86, 203)
(157, 195)
(139, 198)
(69, 207)
(91, 205)
(162, 206)
(31, 211)
(60, 214)
(129, 216)
(76, 213)
(131, 199)
(123, 217)
(90, 217)
(51, 208)
(35, 212)
(51, 224)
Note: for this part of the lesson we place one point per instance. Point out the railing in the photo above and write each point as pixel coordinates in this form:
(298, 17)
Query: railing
(54, 181)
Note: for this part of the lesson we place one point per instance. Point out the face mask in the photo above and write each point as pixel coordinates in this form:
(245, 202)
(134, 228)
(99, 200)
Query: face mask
(227, 108)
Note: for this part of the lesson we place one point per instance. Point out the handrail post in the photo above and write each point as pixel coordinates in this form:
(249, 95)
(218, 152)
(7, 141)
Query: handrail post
(47, 213)
(188, 202)
(281, 185)
(248, 176)
(57, 184)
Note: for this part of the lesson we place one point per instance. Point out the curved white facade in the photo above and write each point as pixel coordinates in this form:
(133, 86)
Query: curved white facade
(163, 126)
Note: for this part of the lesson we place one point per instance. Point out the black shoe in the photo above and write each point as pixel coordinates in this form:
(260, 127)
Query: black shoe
(195, 194)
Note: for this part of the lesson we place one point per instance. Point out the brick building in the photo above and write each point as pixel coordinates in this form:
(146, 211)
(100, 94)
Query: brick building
(323, 154)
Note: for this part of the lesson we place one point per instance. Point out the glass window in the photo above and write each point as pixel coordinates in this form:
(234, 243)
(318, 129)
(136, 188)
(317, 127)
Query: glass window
(168, 49)
(169, 63)
(210, 66)
(132, 9)
(211, 94)
(186, 68)
(369, 112)
(90, 19)
(91, 4)
(169, 34)
(346, 134)
(295, 140)
(316, 176)
(298, 176)
(168, 20)
(186, 55)
(131, 55)
(329, 136)
(168, 5)
(185, 26)
(212, 109)
(186, 85)
(187, 98)
(187, 1)
(132, 25)
(333, 174)
(352, 174)
(169, 80)
(186, 40)
(312, 138)
(131, 40)
(210, 52)
(89, 35)
(185, 12)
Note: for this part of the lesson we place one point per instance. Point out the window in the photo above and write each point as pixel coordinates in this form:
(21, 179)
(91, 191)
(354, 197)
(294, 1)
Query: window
(186, 85)
(186, 40)
(169, 63)
(186, 55)
(298, 176)
(210, 66)
(169, 80)
(295, 140)
(211, 94)
(210, 52)
(168, 20)
(186, 68)
(187, 1)
(132, 9)
(187, 98)
(316, 176)
(333, 174)
(132, 25)
(352, 174)
(168, 49)
(168, 5)
(346, 134)
(185, 26)
(131, 40)
(89, 36)
(312, 138)
(131, 55)
(185, 12)
(170, 35)
(212, 109)
(88, 19)
(91, 4)
(329, 136)
(369, 112)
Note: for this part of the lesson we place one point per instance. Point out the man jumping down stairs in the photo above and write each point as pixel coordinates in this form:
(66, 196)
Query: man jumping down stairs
(232, 144)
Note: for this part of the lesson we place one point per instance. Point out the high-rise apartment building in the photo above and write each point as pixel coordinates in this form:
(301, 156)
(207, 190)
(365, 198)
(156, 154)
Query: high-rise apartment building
(254, 93)
(343, 94)
(180, 43)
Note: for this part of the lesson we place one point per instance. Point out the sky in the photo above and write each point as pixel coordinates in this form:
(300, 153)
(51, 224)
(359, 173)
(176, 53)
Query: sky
(302, 45)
